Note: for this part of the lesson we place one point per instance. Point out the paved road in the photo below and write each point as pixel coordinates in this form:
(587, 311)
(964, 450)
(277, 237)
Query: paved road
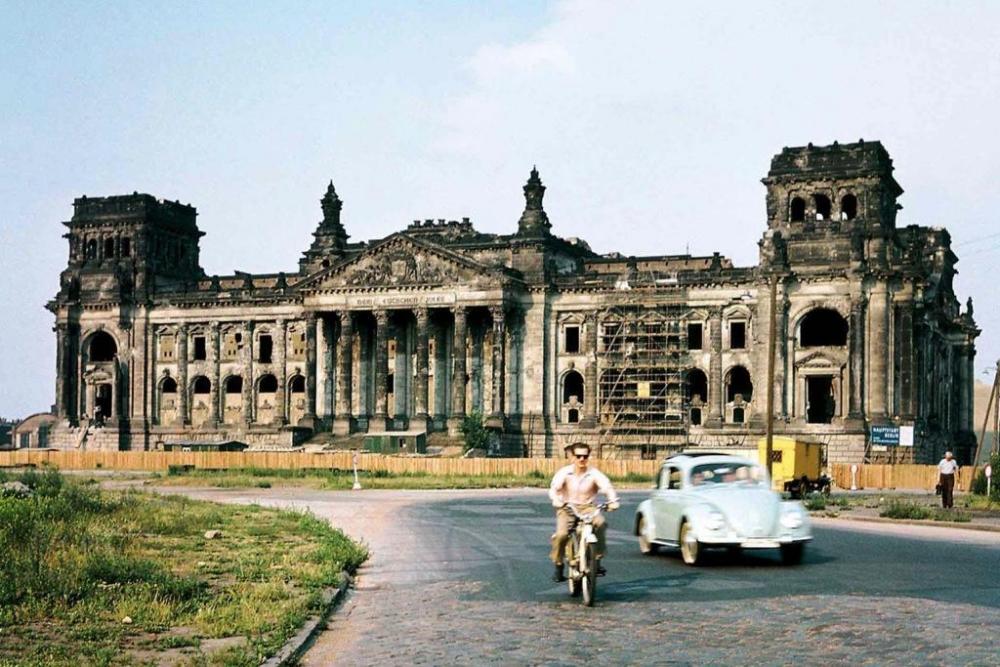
(461, 578)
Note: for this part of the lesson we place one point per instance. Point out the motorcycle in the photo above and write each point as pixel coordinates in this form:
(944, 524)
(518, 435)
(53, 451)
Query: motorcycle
(580, 554)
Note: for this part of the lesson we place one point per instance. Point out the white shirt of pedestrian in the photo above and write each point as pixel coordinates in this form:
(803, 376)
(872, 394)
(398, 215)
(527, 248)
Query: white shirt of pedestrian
(569, 487)
(948, 467)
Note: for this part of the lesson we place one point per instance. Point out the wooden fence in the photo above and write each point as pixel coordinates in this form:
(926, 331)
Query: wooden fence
(898, 476)
(160, 461)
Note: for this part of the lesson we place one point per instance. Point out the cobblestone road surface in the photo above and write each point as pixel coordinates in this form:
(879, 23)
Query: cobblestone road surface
(461, 578)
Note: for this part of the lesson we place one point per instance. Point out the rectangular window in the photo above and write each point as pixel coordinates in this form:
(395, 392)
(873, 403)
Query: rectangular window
(572, 340)
(168, 346)
(737, 335)
(694, 336)
(199, 349)
(264, 348)
(298, 344)
(126, 247)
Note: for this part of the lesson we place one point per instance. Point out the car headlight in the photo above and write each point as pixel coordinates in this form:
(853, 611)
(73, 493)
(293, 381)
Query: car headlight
(791, 519)
(715, 521)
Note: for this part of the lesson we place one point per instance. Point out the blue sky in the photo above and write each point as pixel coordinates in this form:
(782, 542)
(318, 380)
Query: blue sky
(651, 124)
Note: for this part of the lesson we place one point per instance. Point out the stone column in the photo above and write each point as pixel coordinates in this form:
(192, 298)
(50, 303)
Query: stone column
(309, 419)
(378, 420)
(420, 393)
(905, 353)
(248, 388)
(857, 360)
(328, 370)
(183, 413)
(499, 391)
(590, 396)
(215, 396)
(716, 400)
(878, 344)
(281, 366)
(62, 377)
(458, 377)
(345, 354)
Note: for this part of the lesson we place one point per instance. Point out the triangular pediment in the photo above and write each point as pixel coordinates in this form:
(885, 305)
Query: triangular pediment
(820, 359)
(402, 261)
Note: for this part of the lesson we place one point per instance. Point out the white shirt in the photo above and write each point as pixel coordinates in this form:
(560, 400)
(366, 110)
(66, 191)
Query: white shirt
(946, 467)
(569, 487)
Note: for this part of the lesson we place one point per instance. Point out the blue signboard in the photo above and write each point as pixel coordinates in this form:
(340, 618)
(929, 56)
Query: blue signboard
(884, 435)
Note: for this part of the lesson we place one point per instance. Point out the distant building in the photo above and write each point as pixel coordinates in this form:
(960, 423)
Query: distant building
(551, 342)
(34, 432)
(6, 426)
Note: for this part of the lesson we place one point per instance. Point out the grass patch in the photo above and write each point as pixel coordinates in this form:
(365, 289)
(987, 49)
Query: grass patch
(336, 479)
(112, 578)
(899, 509)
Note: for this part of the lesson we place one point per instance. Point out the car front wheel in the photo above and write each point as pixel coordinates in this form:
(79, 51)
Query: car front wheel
(690, 547)
(646, 547)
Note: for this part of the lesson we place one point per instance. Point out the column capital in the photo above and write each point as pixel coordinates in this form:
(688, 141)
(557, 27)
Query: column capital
(459, 310)
(382, 317)
(309, 316)
(422, 314)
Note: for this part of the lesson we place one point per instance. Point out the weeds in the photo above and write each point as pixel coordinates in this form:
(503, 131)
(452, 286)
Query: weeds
(899, 509)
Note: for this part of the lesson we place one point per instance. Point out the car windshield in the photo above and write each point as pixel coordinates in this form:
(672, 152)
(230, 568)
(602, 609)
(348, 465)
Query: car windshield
(727, 473)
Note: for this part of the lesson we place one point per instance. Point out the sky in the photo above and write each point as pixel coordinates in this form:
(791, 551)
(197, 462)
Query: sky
(651, 123)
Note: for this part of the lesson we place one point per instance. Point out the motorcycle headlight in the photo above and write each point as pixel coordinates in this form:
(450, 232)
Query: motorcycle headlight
(791, 519)
(715, 521)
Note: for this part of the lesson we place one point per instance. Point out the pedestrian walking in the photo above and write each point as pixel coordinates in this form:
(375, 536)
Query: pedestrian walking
(947, 471)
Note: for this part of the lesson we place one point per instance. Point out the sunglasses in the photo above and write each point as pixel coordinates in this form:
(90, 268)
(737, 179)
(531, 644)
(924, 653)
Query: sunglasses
(582, 456)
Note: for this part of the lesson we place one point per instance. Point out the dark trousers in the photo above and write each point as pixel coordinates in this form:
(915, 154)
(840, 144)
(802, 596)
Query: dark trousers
(947, 489)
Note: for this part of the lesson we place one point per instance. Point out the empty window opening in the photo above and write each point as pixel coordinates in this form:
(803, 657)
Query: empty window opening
(572, 340)
(390, 383)
(820, 404)
(695, 416)
(737, 335)
(697, 386)
(91, 249)
(739, 415)
(298, 385)
(694, 336)
(109, 247)
(848, 207)
(797, 211)
(199, 348)
(265, 347)
(268, 384)
(234, 384)
(102, 347)
(102, 402)
(573, 388)
(169, 386)
(573, 416)
(738, 384)
(202, 385)
(823, 327)
(126, 247)
(823, 207)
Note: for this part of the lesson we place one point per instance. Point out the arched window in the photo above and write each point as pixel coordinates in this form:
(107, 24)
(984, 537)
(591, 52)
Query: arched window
(823, 207)
(268, 384)
(797, 212)
(169, 386)
(573, 386)
(697, 386)
(92, 249)
(202, 385)
(848, 207)
(234, 384)
(109, 248)
(102, 347)
(738, 383)
(823, 327)
(297, 385)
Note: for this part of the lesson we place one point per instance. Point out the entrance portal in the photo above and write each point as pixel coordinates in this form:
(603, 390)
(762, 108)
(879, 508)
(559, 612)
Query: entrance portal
(820, 404)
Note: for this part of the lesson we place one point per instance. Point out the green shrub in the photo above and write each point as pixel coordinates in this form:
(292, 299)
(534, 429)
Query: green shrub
(815, 502)
(474, 431)
(979, 483)
(898, 509)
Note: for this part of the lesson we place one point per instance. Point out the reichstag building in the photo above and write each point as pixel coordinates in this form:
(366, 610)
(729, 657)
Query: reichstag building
(546, 340)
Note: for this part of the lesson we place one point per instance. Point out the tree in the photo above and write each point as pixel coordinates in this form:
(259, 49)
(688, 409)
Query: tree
(475, 432)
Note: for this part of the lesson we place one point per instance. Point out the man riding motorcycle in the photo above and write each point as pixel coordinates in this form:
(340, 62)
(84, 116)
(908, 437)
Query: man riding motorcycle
(578, 484)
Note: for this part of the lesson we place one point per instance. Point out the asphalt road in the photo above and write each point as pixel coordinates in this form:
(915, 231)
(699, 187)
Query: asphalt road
(463, 578)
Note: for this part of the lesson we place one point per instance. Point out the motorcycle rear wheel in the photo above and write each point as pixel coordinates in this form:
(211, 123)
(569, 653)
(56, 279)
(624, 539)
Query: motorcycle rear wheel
(589, 580)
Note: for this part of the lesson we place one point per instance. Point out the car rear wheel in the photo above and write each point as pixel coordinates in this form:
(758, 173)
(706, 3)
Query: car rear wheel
(690, 547)
(647, 547)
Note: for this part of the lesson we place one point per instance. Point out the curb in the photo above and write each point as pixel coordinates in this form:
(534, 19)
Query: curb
(303, 639)
(916, 522)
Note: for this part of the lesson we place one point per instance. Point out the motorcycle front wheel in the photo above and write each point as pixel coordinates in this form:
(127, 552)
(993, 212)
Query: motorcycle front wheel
(589, 580)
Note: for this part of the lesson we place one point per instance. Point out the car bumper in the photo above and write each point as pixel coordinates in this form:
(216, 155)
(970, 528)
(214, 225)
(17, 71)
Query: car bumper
(752, 542)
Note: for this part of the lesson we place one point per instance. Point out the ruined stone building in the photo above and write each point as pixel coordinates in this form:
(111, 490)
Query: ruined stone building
(549, 341)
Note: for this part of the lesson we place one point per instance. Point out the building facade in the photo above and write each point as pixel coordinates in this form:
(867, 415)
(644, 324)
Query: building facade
(550, 342)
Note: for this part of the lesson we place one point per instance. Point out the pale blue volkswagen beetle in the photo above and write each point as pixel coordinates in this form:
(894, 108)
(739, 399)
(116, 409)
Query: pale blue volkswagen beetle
(717, 500)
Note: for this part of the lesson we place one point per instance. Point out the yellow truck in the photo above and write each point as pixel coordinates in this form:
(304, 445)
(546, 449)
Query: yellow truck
(796, 465)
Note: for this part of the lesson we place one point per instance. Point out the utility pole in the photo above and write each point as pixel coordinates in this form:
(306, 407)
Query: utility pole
(772, 327)
(990, 405)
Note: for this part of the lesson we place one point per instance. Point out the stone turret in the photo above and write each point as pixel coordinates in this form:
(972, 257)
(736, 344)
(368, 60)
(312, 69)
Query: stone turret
(534, 222)
(330, 236)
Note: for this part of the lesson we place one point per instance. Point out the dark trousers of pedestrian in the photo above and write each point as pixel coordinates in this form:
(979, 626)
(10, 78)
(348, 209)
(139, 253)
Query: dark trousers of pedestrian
(947, 488)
